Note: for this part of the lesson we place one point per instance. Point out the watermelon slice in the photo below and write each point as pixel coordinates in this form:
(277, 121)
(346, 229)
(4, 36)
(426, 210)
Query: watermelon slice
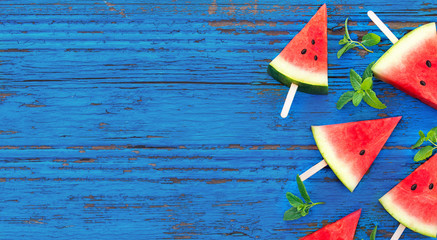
(350, 148)
(304, 61)
(413, 202)
(343, 229)
(411, 64)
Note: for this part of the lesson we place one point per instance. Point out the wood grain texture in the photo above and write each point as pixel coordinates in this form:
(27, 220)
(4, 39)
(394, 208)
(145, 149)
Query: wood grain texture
(157, 120)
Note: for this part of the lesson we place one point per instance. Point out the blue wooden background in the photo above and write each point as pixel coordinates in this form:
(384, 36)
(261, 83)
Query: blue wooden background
(157, 120)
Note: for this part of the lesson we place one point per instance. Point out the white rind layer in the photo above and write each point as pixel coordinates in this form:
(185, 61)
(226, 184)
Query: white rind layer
(395, 55)
(406, 219)
(338, 166)
(299, 74)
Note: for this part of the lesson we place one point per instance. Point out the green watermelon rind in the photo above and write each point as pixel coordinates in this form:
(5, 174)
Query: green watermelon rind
(404, 218)
(349, 180)
(386, 60)
(304, 86)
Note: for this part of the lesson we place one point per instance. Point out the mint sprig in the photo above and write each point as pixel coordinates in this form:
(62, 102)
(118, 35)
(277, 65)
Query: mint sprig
(373, 234)
(362, 90)
(300, 208)
(368, 40)
(426, 152)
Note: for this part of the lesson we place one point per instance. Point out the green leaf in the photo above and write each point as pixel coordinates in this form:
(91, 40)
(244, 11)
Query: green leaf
(305, 211)
(421, 134)
(432, 135)
(346, 32)
(373, 101)
(367, 84)
(423, 153)
(294, 200)
(355, 80)
(373, 234)
(302, 189)
(420, 141)
(345, 48)
(368, 72)
(301, 207)
(292, 214)
(358, 96)
(370, 39)
(343, 41)
(344, 98)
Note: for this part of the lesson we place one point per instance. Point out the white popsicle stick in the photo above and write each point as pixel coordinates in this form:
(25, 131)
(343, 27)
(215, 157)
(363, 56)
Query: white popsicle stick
(384, 29)
(398, 232)
(308, 173)
(288, 100)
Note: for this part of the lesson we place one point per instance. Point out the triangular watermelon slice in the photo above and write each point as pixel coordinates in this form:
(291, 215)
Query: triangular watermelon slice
(411, 64)
(343, 229)
(413, 202)
(304, 61)
(350, 148)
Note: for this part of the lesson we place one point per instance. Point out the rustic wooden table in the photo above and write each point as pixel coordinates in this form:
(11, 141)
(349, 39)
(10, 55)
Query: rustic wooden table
(157, 120)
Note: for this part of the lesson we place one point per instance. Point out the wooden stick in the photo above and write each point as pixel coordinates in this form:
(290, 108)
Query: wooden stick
(398, 232)
(289, 100)
(308, 173)
(384, 29)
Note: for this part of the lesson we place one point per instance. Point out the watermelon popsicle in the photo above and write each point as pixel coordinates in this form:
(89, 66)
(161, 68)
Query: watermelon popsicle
(343, 228)
(350, 148)
(303, 63)
(413, 202)
(411, 63)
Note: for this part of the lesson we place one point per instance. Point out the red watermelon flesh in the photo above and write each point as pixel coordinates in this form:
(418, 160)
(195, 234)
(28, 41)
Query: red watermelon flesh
(304, 61)
(343, 229)
(413, 202)
(350, 148)
(411, 64)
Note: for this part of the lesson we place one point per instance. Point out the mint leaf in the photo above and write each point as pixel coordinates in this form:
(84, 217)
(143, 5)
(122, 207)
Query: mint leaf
(358, 96)
(344, 98)
(294, 200)
(299, 208)
(432, 135)
(421, 134)
(302, 190)
(292, 214)
(423, 153)
(370, 39)
(345, 48)
(343, 41)
(420, 141)
(368, 72)
(305, 211)
(346, 32)
(367, 84)
(373, 234)
(363, 91)
(372, 100)
(426, 151)
(355, 80)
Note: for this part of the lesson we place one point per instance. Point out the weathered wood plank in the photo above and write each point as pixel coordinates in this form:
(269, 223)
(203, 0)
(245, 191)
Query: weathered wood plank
(157, 120)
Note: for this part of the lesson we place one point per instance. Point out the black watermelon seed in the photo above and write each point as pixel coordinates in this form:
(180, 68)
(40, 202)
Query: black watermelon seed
(362, 152)
(423, 83)
(304, 51)
(431, 186)
(313, 42)
(414, 187)
(428, 63)
(315, 57)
